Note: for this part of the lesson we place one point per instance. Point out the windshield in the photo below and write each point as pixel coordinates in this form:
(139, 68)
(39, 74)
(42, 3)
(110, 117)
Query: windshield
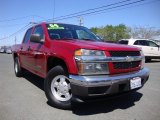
(65, 31)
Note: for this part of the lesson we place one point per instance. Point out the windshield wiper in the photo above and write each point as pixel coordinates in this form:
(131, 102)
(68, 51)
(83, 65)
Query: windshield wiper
(68, 39)
(88, 39)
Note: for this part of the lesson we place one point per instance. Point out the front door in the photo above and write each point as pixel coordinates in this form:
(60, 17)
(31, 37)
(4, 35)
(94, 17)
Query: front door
(153, 49)
(37, 53)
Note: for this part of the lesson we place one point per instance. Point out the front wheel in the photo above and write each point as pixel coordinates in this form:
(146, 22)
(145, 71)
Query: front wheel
(57, 88)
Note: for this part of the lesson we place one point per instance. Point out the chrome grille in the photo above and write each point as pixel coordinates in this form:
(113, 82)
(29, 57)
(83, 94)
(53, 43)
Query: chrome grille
(124, 53)
(126, 65)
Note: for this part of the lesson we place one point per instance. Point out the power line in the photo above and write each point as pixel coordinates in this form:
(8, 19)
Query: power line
(94, 10)
(20, 30)
(82, 13)
(20, 18)
(149, 2)
(97, 11)
(12, 25)
(85, 12)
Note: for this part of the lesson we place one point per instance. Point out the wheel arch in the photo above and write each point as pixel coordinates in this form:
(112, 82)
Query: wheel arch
(15, 55)
(54, 61)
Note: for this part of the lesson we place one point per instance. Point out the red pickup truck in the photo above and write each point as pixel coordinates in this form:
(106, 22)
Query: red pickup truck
(76, 65)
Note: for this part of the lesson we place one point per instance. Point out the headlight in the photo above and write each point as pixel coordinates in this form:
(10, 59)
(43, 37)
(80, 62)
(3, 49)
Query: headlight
(143, 59)
(91, 62)
(84, 52)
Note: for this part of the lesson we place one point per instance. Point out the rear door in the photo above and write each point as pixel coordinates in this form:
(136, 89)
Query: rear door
(23, 54)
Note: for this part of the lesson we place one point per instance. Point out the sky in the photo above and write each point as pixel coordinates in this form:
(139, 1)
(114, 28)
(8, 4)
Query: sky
(15, 14)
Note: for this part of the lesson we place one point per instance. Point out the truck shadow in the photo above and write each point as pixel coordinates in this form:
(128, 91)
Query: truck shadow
(82, 109)
(37, 81)
(121, 102)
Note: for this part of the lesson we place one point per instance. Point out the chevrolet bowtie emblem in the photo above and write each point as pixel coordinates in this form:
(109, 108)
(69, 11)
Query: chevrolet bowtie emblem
(129, 59)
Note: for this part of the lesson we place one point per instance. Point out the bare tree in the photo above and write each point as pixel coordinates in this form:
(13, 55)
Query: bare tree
(144, 32)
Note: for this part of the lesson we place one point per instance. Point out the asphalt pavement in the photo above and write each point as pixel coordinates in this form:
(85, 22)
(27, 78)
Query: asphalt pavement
(24, 99)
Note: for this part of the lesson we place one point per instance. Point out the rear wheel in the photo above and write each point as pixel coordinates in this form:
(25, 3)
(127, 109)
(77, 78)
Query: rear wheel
(17, 68)
(147, 60)
(57, 88)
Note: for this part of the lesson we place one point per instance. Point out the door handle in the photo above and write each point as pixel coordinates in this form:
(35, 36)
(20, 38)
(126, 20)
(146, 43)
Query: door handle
(37, 53)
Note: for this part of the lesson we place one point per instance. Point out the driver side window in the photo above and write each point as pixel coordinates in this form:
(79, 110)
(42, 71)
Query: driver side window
(39, 30)
(141, 42)
(152, 44)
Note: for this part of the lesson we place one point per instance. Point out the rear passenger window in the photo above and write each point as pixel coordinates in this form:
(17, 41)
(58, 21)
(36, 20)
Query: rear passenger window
(141, 42)
(27, 36)
(125, 42)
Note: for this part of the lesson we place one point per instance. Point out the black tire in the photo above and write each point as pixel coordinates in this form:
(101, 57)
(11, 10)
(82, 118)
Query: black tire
(54, 89)
(147, 60)
(17, 68)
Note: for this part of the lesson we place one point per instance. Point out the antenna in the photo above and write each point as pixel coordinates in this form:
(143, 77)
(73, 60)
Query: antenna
(54, 9)
(15, 40)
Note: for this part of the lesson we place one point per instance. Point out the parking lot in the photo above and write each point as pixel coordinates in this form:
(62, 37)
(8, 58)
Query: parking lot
(24, 99)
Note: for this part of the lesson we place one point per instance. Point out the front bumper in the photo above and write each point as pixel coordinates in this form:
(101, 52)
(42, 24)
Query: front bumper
(102, 85)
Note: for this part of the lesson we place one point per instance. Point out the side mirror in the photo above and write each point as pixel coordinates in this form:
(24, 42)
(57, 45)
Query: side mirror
(36, 38)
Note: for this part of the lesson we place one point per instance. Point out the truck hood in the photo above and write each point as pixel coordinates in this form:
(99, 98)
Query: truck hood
(98, 45)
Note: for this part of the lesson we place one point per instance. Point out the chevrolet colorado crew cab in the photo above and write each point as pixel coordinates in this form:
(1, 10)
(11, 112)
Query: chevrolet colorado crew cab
(76, 65)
